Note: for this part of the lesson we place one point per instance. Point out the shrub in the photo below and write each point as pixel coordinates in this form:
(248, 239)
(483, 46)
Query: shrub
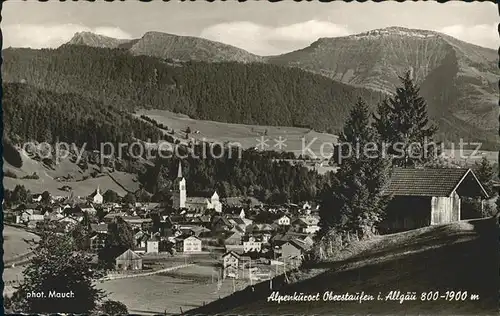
(33, 176)
(9, 174)
(110, 307)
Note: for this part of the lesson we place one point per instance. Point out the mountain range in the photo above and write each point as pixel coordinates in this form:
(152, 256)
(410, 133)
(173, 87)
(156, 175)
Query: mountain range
(458, 79)
(164, 45)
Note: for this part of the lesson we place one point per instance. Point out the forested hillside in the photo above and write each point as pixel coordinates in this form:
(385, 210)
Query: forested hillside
(227, 92)
(31, 114)
(251, 174)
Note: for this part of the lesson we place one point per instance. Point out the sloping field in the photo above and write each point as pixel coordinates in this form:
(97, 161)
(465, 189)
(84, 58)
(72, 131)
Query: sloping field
(460, 257)
(119, 182)
(248, 136)
(15, 242)
(79, 188)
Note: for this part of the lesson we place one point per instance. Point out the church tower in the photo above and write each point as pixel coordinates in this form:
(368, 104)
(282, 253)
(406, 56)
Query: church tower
(179, 191)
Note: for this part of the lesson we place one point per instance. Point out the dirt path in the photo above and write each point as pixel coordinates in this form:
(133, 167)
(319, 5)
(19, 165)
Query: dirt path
(136, 275)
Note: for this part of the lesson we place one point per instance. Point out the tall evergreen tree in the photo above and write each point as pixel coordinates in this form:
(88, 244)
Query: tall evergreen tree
(357, 203)
(484, 172)
(402, 122)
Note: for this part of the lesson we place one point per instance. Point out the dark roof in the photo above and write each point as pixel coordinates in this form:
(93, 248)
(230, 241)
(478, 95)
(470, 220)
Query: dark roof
(231, 253)
(298, 244)
(99, 227)
(240, 201)
(184, 237)
(425, 182)
(196, 200)
(224, 220)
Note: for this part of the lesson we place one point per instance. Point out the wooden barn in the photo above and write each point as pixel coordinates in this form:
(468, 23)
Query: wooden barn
(128, 260)
(423, 197)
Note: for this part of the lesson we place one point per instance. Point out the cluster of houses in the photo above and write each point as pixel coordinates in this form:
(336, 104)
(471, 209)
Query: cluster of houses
(192, 225)
(67, 211)
(243, 230)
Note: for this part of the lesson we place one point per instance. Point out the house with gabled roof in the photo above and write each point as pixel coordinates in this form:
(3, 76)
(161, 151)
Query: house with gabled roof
(293, 251)
(188, 244)
(129, 260)
(230, 264)
(99, 228)
(234, 238)
(306, 224)
(98, 241)
(221, 224)
(423, 197)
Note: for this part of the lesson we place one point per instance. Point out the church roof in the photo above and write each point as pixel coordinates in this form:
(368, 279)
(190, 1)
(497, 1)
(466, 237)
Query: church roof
(196, 200)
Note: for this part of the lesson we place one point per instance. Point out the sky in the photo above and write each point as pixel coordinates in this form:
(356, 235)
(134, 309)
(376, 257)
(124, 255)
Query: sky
(260, 27)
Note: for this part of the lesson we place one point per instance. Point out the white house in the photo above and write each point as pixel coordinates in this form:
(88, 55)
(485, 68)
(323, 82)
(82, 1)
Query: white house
(284, 221)
(307, 224)
(153, 246)
(230, 263)
(215, 203)
(251, 245)
(188, 244)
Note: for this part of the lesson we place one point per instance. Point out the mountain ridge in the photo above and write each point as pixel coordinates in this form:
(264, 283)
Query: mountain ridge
(457, 79)
(376, 58)
(166, 45)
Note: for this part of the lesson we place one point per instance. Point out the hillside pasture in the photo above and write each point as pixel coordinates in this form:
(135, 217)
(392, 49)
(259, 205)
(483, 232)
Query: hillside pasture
(80, 181)
(15, 242)
(295, 138)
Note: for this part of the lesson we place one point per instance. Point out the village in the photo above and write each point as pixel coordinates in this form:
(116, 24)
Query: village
(242, 232)
(242, 238)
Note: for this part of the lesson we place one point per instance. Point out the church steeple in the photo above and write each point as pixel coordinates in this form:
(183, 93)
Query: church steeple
(179, 191)
(179, 171)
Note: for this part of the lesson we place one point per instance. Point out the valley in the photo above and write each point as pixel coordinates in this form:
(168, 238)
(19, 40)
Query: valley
(191, 234)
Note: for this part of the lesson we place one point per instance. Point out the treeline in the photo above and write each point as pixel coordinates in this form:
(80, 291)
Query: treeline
(253, 174)
(31, 114)
(155, 122)
(226, 92)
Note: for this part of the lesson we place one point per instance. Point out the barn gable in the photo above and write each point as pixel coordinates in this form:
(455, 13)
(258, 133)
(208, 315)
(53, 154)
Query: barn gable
(439, 182)
(128, 255)
(422, 197)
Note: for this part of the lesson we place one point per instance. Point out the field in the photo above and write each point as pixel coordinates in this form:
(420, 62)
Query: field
(15, 244)
(469, 157)
(15, 247)
(119, 182)
(295, 138)
(184, 289)
(462, 256)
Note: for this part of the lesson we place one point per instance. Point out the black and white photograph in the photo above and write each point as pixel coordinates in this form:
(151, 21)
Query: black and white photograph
(250, 157)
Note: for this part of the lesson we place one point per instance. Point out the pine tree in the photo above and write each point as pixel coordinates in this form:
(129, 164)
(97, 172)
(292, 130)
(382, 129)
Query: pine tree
(402, 122)
(485, 174)
(58, 267)
(357, 204)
